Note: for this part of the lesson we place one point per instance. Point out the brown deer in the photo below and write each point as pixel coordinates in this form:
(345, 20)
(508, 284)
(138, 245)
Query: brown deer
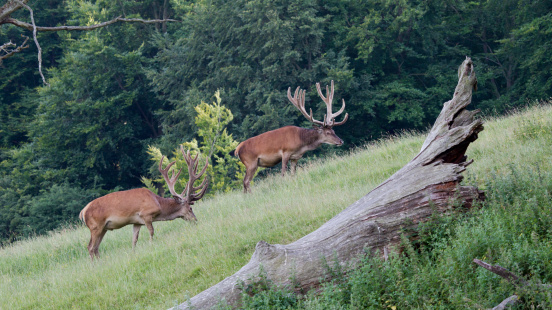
(290, 143)
(140, 206)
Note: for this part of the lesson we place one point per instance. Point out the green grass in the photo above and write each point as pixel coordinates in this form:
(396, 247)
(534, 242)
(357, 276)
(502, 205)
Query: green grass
(55, 272)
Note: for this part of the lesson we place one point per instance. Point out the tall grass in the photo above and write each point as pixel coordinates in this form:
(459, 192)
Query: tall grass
(513, 228)
(55, 272)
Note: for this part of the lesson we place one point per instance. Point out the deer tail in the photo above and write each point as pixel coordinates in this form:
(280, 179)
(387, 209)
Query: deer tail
(236, 152)
(82, 214)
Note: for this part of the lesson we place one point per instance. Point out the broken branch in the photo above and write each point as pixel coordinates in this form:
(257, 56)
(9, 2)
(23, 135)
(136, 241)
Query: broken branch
(9, 50)
(119, 19)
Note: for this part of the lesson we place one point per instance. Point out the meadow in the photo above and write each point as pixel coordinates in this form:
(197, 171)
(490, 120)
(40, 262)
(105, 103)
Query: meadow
(512, 163)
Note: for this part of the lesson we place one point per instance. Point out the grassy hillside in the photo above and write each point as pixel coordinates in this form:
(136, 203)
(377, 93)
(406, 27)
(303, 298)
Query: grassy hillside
(55, 272)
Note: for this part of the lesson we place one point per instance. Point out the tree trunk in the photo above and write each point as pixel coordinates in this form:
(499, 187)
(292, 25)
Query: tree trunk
(427, 183)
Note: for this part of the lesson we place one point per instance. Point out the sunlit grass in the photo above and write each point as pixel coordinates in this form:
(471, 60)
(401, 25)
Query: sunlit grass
(55, 272)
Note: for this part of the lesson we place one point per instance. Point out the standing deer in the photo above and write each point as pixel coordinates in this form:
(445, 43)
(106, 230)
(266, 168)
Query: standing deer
(140, 206)
(290, 143)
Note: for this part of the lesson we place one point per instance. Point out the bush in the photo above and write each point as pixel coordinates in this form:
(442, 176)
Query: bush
(56, 207)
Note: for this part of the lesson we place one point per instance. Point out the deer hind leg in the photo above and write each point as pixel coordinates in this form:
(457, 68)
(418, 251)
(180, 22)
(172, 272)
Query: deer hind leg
(91, 245)
(249, 173)
(135, 233)
(96, 237)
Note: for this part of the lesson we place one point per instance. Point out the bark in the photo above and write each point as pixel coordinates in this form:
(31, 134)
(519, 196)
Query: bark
(12, 6)
(119, 19)
(510, 301)
(503, 272)
(427, 183)
(512, 278)
(9, 7)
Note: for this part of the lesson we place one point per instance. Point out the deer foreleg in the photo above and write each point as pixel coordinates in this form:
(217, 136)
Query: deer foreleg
(285, 159)
(135, 232)
(293, 166)
(149, 225)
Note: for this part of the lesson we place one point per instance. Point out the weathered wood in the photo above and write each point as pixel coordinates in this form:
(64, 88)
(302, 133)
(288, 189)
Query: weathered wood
(501, 271)
(507, 302)
(512, 278)
(427, 183)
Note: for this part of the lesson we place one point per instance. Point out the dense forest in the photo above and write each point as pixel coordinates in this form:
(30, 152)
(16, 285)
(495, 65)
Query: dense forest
(117, 97)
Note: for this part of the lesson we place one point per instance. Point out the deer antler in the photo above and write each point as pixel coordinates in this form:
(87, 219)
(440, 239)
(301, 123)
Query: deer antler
(172, 180)
(298, 101)
(190, 190)
(329, 117)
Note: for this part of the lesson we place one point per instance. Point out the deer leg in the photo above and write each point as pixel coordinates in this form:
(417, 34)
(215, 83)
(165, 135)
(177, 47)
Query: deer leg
(249, 173)
(91, 244)
(102, 234)
(135, 232)
(285, 159)
(293, 166)
(95, 241)
(149, 225)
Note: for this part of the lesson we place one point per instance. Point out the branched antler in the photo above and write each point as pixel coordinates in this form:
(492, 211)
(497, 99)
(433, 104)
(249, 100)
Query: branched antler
(190, 190)
(172, 180)
(298, 100)
(189, 193)
(329, 118)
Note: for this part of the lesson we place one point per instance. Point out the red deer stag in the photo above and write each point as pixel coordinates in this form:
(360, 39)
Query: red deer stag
(290, 143)
(140, 206)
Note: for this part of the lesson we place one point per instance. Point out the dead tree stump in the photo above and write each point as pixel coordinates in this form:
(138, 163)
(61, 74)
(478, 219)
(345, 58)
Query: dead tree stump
(427, 183)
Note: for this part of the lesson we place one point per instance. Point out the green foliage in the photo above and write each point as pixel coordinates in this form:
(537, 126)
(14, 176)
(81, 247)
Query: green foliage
(512, 230)
(224, 171)
(261, 293)
(54, 271)
(117, 89)
(19, 74)
(57, 207)
(31, 200)
(60, 144)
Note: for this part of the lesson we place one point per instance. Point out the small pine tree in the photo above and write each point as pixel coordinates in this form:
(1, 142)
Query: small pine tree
(224, 170)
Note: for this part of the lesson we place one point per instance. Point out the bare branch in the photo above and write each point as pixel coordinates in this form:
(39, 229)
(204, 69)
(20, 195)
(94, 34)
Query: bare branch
(28, 26)
(501, 271)
(9, 7)
(11, 48)
(14, 5)
(36, 42)
(510, 277)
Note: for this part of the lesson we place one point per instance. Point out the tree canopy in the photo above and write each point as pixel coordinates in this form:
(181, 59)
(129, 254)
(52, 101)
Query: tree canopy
(117, 90)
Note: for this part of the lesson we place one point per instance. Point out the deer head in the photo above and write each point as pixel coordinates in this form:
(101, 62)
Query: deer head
(324, 128)
(189, 195)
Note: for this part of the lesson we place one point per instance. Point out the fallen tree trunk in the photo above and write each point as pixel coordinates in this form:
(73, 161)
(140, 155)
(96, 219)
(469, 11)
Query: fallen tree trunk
(427, 183)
